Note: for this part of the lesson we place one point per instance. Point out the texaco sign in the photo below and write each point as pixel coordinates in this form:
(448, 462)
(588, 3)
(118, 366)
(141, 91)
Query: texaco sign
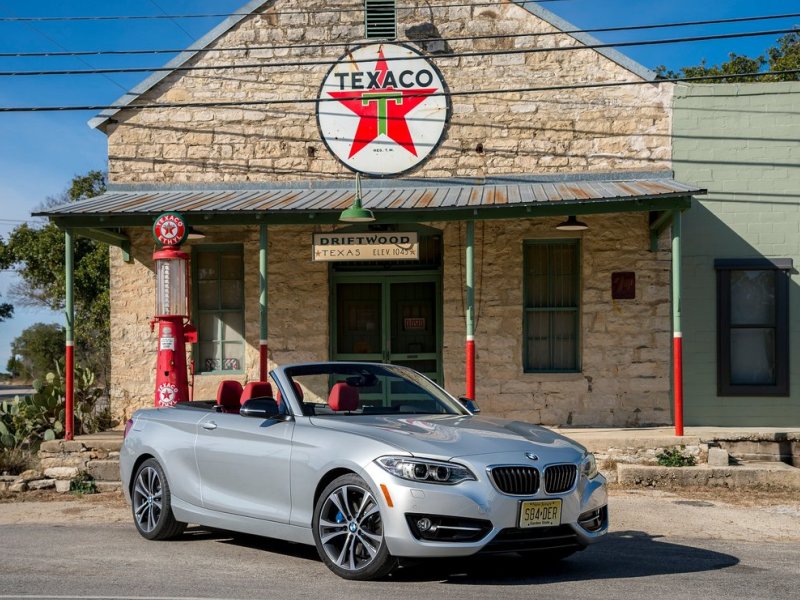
(382, 109)
(170, 229)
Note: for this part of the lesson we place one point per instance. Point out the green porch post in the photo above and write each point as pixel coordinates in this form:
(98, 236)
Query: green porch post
(69, 375)
(470, 310)
(262, 305)
(677, 334)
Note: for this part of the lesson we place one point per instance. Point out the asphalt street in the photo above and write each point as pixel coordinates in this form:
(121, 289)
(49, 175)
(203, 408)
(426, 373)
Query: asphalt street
(113, 561)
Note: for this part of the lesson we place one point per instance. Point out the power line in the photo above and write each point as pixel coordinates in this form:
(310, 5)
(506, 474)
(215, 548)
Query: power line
(491, 91)
(407, 40)
(316, 63)
(422, 6)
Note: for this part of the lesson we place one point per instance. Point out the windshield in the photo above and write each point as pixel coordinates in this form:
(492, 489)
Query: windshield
(338, 389)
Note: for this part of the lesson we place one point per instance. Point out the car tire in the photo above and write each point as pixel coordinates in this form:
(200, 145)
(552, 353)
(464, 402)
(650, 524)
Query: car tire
(348, 530)
(151, 503)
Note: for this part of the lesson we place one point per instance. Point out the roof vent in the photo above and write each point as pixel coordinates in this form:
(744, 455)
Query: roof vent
(380, 19)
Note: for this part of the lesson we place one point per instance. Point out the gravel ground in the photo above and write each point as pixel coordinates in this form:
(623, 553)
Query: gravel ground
(687, 513)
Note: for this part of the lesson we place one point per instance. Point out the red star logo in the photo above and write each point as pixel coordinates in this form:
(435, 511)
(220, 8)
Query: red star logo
(382, 111)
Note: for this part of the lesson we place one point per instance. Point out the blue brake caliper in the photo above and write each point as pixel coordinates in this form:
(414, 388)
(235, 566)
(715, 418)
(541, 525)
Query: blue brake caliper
(339, 517)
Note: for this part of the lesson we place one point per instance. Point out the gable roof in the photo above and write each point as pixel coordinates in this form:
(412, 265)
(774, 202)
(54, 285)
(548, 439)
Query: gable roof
(99, 121)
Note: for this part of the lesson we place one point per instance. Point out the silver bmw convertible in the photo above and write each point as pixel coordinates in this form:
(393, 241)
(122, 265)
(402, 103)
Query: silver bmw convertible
(370, 463)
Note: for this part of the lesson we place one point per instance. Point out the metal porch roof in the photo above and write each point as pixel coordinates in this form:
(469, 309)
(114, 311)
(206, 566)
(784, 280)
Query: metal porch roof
(434, 199)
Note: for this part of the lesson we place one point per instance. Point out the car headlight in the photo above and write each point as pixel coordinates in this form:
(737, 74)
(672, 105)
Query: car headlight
(425, 471)
(589, 466)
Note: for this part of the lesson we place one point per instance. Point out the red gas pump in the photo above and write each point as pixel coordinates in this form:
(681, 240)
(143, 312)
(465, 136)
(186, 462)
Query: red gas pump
(172, 310)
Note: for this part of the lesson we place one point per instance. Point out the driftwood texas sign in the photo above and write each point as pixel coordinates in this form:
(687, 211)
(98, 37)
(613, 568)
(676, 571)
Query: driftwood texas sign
(371, 246)
(382, 109)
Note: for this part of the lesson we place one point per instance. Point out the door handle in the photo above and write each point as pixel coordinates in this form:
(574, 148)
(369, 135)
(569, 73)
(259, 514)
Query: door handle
(210, 425)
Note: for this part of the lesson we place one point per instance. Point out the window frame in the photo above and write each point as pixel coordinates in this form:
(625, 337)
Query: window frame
(196, 311)
(526, 310)
(782, 269)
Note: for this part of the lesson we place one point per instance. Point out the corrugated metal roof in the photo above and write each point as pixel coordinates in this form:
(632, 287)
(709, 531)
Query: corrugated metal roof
(321, 199)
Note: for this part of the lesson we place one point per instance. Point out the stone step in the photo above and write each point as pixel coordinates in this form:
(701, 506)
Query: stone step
(747, 475)
(103, 470)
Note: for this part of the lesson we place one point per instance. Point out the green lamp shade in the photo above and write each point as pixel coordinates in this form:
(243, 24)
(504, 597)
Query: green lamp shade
(357, 213)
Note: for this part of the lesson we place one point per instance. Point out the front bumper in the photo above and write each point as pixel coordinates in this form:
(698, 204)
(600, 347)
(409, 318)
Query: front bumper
(479, 501)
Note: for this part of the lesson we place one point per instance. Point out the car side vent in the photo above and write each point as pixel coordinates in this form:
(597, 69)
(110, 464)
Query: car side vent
(380, 19)
(559, 478)
(519, 481)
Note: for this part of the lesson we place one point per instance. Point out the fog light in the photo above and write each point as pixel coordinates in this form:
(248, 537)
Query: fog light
(424, 524)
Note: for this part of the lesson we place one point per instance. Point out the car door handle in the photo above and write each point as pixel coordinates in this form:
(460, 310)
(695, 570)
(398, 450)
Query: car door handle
(210, 425)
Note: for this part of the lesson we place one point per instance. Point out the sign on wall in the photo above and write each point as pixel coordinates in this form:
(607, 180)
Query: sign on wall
(370, 246)
(382, 109)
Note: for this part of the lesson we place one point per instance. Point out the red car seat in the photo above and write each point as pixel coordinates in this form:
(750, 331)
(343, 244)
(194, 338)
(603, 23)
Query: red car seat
(228, 394)
(256, 389)
(343, 397)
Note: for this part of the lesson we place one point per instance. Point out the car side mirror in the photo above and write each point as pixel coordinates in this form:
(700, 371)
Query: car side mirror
(470, 404)
(260, 408)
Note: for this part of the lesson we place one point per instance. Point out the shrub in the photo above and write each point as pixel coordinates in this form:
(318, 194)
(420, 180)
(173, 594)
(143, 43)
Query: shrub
(27, 421)
(14, 461)
(675, 457)
(83, 483)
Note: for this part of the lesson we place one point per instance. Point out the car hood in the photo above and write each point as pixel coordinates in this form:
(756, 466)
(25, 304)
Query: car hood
(451, 436)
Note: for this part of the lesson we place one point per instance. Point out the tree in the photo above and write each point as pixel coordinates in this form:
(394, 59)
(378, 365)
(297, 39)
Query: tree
(37, 253)
(36, 351)
(784, 56)
(6, 311)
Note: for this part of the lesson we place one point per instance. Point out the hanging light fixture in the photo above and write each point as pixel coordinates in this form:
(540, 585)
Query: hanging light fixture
(572, 224)
(195, 234)
(357, 213)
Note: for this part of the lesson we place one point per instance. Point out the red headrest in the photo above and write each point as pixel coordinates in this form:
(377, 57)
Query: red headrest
(343, 397)
(256, 389)
(228, 394)
(298, 391)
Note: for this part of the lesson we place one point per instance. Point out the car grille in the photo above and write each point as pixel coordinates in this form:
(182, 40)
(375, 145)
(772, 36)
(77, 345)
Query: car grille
(559, 478)
(538, 538)
(519, 481)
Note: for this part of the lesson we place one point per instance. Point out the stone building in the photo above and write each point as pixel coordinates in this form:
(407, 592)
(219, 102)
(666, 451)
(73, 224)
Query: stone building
(516, 129)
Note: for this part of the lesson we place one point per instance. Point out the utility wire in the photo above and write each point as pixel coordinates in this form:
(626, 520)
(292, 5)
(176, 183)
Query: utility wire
(482, 92)
(421, 6)
(407, 40)
(315, 63)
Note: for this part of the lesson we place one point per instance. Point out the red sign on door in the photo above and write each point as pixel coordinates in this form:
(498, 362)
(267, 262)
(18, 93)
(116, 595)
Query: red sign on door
(414, 324)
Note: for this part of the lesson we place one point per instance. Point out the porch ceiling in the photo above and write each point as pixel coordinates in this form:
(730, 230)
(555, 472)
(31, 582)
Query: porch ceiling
(392, 201)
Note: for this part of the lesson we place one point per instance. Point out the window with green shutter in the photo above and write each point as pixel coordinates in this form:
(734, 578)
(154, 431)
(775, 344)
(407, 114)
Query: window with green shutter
(218, 289)
(552, 301)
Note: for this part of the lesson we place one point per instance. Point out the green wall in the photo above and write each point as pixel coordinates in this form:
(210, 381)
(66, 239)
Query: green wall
(742, 143)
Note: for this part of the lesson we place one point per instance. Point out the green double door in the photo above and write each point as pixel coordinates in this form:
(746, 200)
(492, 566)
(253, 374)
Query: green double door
(388, 319)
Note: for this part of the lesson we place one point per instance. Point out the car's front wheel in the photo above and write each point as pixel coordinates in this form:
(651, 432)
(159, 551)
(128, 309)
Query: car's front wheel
(150, 496)
(348, 530)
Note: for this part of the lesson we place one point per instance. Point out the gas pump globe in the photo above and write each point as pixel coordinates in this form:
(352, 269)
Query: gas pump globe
(172, 311)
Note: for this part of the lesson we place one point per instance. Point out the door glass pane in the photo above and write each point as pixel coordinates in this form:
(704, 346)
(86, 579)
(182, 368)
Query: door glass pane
(413, 318)
(753, 356)
(753, 297)
(233, 293)
(536, 277)
(358, 318)
(208, 294)
(207, 263)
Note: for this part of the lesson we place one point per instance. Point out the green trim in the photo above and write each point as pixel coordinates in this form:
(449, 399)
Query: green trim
(278, 217)
(385, 280)
(658, 226)
(262, 269)
(196, 310)
(112, 238)
(69, 271)
(547, 309)
(470, 279)
(676, 273)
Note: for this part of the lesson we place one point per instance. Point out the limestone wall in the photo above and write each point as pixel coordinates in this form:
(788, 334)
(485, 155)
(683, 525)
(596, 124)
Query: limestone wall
(625, 345)
(595, 129)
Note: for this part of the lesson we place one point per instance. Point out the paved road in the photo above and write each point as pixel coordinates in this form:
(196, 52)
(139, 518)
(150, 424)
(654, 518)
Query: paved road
(112, 561)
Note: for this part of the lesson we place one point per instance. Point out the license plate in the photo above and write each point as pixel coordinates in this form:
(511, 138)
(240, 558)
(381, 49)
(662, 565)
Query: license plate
(540, 513)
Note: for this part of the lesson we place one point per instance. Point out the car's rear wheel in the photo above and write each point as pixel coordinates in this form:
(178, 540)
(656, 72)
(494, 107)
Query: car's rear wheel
(348, 530)
(151, 503)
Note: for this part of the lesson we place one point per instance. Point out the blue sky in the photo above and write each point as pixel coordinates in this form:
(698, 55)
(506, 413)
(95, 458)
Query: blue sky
(40, 153)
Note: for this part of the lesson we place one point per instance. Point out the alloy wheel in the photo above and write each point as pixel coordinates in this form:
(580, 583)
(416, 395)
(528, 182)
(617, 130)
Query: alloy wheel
(147, 499)
(350, 527)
